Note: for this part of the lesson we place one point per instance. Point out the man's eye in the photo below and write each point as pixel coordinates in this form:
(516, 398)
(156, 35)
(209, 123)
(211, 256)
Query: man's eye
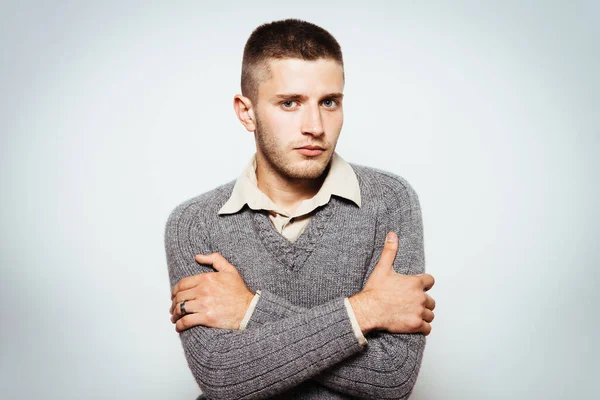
(288, 104)
(329, 103)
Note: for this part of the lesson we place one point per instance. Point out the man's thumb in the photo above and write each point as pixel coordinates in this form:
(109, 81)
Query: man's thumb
(390, 248)
(216, 260)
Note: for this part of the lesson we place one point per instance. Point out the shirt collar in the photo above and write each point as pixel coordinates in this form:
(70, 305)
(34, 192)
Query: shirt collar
(340, 181)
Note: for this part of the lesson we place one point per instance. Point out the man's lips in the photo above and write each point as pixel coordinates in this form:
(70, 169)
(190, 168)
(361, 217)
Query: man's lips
(311, 148)
(310, 151)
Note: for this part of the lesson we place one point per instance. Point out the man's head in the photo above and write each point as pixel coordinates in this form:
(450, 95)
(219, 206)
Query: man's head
(292, 84)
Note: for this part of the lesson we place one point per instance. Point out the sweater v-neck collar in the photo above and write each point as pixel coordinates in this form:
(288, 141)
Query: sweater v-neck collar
(293, 254)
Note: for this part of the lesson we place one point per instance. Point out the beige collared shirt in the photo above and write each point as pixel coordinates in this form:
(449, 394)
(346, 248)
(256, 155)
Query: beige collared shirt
(340, 180)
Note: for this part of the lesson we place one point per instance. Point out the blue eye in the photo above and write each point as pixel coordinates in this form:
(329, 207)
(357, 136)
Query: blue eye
(329, 103)
(288, 104)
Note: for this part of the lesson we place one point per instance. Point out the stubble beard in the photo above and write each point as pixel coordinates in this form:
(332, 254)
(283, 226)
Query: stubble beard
(278, 159)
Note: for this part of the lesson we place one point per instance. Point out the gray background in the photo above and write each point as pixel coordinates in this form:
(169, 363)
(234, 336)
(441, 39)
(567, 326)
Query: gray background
(112, 113)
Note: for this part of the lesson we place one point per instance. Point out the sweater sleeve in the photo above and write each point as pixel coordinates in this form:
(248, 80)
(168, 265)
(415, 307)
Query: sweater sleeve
(357, 331)
(259, 362)
(389, 366)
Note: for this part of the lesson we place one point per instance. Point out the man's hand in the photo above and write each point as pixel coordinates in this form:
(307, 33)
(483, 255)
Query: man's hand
(393, 302)
(214, 299)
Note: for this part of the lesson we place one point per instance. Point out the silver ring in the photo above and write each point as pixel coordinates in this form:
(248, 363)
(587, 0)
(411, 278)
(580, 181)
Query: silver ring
(182, 307)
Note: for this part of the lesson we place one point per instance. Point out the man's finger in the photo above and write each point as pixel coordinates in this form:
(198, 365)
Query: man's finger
(428, 315)
(189, 320)
(390, 248)
(425, 328)
(216, 260)
(191, 281)
(191, 307)
(429, 302)
(427, 281)
(185, 283)
(185, 295)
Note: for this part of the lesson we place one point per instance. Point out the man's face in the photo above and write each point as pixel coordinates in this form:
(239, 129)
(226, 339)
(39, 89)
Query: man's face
(299, 105)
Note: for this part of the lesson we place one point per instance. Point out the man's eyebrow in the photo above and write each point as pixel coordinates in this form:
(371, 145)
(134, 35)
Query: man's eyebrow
(290, 96)
(296, 96)
(337, 96)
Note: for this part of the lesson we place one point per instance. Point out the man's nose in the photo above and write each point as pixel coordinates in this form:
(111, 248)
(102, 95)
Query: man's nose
(313, 123)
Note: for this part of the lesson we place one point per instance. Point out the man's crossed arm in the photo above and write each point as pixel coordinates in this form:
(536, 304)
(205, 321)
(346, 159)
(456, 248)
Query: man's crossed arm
(389, 301)
(391, 308)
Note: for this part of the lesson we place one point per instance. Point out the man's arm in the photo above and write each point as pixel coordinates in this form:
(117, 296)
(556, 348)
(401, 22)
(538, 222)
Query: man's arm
(389, 366)
(262, 361)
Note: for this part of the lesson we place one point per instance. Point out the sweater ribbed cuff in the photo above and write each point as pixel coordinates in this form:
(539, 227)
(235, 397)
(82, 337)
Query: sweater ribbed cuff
(250, 311)
(355, 326)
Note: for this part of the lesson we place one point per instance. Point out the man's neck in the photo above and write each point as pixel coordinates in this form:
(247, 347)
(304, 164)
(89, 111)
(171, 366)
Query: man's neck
(287, 193)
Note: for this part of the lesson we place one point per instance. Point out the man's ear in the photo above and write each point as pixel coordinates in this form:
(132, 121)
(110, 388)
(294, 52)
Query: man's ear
(245, 112)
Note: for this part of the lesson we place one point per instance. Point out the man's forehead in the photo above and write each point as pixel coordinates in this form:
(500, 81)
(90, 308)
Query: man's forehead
(295, 74)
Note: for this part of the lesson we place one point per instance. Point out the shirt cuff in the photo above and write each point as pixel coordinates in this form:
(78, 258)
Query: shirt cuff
(249, 311)
(355, 327)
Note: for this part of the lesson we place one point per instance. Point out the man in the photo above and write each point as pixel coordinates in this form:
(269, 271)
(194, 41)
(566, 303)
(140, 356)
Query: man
(283, 282)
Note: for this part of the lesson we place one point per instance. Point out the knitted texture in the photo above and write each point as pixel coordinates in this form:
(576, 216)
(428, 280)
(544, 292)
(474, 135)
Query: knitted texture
(299, 342)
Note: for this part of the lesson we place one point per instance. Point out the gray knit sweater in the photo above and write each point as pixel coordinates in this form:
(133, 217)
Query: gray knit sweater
(299, 342)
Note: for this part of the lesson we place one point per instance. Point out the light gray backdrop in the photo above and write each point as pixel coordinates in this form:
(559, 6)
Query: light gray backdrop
(112, 113)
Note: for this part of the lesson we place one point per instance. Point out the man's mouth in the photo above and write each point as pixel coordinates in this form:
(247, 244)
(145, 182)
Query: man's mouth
(310, 151)
(312, 148)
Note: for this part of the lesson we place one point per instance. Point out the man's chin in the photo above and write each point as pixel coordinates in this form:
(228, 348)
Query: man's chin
(309, 168)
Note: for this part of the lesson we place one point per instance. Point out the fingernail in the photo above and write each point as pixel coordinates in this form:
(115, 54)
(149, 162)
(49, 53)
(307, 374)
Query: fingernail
(390, 237)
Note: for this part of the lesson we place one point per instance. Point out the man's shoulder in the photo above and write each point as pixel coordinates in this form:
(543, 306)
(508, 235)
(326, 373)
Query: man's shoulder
(199, 207)
(382, 185)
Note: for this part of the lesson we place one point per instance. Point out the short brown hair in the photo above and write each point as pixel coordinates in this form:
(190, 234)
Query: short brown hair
(289, 38)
